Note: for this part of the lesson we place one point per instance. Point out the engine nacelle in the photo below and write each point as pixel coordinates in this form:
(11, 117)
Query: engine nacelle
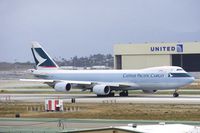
(101, 89)
(62, 87)
(149, 91)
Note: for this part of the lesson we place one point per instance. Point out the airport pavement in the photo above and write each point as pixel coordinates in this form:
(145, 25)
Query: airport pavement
(92, 98)
(32, 89)
(16, 84)
(49, 125)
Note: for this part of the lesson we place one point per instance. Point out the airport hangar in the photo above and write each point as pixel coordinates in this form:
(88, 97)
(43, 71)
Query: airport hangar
(137, 56)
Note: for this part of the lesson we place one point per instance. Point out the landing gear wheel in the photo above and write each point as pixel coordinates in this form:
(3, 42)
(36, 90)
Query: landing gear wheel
(123, 94)
(111, 94)
(175, 94)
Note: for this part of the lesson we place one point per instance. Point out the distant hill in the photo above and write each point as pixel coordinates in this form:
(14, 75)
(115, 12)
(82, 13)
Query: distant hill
(4, 66)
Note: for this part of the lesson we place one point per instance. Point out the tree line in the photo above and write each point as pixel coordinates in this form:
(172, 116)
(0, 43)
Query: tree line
(92, 60)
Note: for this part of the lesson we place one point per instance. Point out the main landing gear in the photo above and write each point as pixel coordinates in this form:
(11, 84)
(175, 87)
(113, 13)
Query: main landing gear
(123, 94)
(111, 94)
(175, 94)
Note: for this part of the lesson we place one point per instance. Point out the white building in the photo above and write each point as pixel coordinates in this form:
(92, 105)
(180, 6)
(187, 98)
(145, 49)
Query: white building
(136, 56)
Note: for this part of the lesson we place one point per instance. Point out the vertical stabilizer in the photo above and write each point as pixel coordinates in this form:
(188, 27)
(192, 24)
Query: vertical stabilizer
(42, 59)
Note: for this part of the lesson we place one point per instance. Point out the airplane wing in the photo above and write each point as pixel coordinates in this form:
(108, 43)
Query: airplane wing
(54, 81)
(37, 80)
(118, 84)
(89, 83)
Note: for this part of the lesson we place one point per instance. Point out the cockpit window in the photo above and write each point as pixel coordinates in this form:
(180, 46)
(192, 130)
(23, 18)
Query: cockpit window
(179, 69)
(179, 75)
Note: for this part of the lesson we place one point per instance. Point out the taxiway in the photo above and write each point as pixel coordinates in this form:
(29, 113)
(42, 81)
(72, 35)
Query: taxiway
(91, 98)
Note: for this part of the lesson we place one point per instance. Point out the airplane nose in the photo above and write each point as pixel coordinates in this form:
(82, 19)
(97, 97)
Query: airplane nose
(192, 79)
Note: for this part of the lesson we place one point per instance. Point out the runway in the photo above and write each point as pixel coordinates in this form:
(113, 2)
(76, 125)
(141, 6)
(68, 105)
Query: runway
(91, 98)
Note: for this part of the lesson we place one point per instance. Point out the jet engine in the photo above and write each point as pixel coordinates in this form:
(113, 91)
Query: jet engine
(101, 89)
(62, 87)
(149, 91)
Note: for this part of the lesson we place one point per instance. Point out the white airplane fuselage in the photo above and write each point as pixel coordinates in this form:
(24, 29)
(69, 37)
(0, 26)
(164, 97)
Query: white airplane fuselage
(155, 78)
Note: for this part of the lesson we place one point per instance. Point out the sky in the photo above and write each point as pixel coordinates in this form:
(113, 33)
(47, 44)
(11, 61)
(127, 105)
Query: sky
(67, 28)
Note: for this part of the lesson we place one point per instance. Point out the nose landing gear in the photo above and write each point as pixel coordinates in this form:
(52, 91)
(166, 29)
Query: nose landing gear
(175, 94)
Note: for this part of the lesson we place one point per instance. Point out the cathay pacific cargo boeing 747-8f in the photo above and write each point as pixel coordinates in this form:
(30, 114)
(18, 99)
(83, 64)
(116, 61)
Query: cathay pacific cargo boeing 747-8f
(106, 82)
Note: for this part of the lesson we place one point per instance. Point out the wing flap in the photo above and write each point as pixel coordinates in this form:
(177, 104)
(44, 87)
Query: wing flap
(37, 80)
(76, 82)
